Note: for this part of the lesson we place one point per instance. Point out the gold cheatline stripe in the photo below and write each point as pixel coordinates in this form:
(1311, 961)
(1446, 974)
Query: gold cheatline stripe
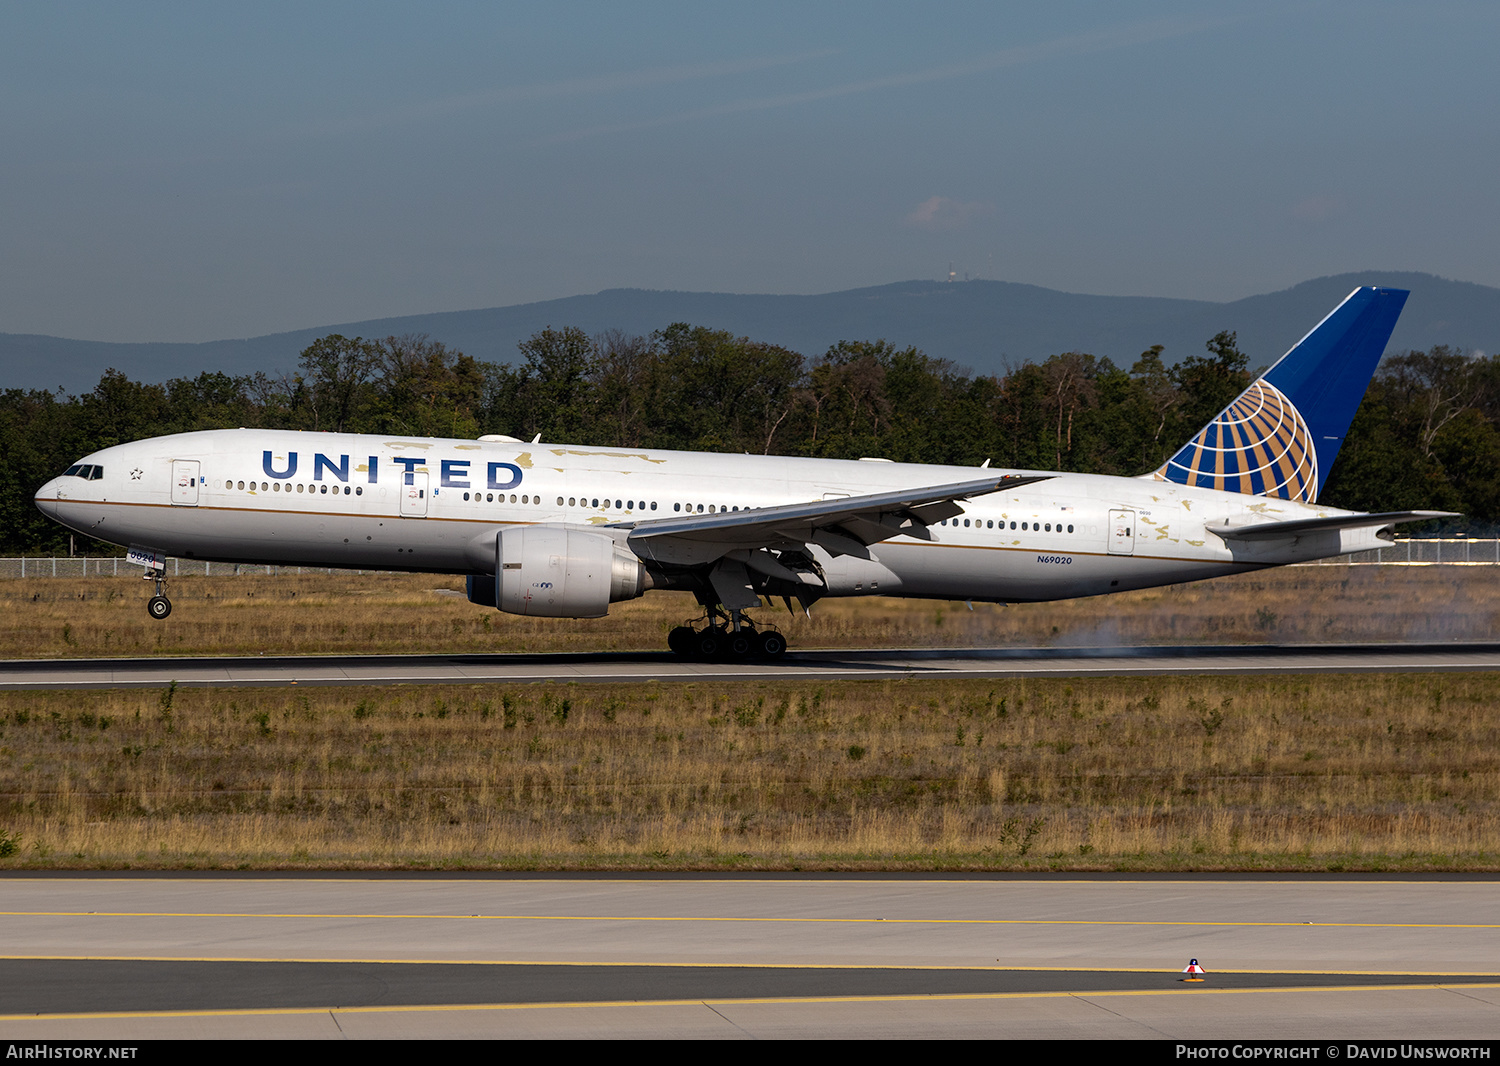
(320, 916)
(909, 998)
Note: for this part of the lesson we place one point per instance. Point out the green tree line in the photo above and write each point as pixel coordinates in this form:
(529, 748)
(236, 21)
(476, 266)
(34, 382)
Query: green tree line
(1425, 437)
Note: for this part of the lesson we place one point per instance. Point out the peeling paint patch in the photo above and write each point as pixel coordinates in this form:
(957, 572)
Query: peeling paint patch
(524, 460)
(1196, 543)
(397, 445)
(608, 455)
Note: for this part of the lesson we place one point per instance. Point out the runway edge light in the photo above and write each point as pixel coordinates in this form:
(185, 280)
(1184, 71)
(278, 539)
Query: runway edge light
(1193, 970)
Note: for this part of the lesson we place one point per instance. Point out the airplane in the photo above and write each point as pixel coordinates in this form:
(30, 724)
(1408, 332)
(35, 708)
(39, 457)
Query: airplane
(563, 530)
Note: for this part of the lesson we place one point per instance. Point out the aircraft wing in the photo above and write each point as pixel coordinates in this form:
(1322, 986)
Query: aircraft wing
(844, 526)
(1298, 527)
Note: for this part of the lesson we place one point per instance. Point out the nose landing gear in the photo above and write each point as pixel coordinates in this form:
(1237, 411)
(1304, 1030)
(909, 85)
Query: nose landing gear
(158, 606)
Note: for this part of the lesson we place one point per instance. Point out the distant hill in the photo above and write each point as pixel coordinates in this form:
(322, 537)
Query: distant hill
(981, 325)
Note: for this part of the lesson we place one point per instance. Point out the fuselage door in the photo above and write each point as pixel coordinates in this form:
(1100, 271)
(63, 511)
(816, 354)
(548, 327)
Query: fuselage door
(414, 497)
(185, 482)
(1121, 532)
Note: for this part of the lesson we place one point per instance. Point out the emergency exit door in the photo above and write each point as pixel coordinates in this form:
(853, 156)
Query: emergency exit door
(185, 482)
(414, 497)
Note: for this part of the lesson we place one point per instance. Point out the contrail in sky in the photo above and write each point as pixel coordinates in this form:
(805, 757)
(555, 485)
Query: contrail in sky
(568, 87)
(1080, 44)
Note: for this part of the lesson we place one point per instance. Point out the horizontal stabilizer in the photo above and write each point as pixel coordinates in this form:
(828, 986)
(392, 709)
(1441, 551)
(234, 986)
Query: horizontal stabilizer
(1299, 527)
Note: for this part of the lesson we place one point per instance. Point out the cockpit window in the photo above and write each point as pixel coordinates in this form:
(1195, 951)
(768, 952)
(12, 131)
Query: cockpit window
(72, 471)
(87, 471)
(96, 473)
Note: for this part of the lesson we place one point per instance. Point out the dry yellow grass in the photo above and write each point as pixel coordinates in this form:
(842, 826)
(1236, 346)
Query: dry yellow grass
(314, 613)
(1362, 772)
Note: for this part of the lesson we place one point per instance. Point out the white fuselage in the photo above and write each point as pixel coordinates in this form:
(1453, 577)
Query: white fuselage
(394, 503)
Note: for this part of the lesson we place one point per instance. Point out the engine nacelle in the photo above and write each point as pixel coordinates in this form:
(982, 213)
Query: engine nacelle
(557, 572)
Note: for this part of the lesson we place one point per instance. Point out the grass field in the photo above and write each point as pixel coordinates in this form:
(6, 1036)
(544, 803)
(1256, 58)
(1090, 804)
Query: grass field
(1368, 772)
(1376, 772)
(85, 617)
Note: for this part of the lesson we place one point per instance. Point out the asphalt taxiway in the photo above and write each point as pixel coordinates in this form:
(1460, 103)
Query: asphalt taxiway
(136, 958)
(808, 665)
(867, 957)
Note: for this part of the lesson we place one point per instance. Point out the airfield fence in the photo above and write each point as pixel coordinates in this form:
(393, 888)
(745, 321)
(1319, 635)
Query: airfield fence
(1455, 551)
(116, 566)
(1444, 551)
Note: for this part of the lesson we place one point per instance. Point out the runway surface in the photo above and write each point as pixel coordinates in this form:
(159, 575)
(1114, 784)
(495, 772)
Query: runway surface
(808, 665)
(143, 957)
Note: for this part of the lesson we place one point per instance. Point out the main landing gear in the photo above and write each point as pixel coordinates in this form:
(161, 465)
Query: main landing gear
(732, 638)
(158, 606)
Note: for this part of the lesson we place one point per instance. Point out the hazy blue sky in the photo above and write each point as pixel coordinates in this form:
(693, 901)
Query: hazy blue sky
(200, 171)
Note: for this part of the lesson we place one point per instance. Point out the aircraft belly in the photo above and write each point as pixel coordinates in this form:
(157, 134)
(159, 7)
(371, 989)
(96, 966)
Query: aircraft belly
(974, 573)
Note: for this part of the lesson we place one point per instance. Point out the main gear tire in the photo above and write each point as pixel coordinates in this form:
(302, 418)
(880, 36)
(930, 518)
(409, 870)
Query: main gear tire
(772, 644)
(708, 644)
(742, 644)
(681, 640)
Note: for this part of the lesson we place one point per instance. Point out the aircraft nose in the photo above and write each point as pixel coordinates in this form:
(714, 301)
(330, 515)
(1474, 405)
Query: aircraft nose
(47, 497)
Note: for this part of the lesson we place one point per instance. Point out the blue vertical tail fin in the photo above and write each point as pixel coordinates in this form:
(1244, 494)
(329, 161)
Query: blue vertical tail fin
(1281, 435)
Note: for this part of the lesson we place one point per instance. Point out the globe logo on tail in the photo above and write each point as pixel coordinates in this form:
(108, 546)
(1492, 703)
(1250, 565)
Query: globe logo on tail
(1259, 445)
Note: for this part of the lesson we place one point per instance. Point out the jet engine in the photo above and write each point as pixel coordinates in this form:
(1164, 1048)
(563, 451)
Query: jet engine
(557, 572)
